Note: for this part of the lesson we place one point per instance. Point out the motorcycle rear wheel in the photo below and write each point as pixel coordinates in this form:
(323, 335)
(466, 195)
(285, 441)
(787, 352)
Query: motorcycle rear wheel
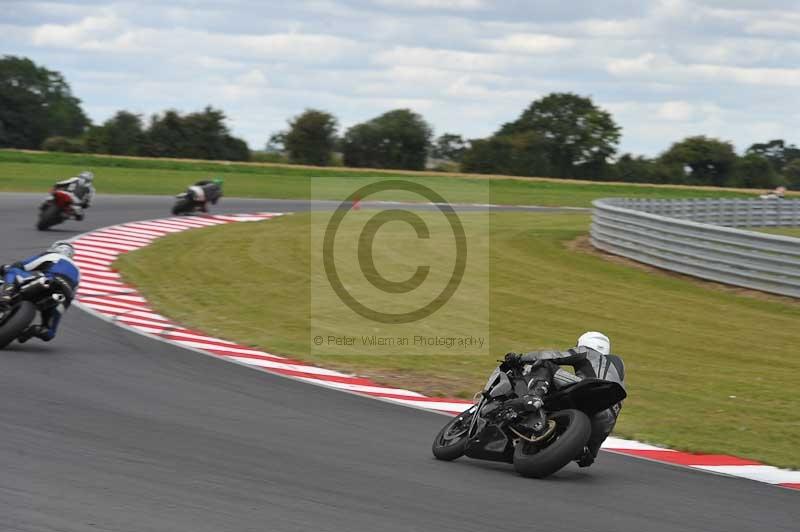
(49, 216)
(451, 441)
(573, 429)
(13, 326)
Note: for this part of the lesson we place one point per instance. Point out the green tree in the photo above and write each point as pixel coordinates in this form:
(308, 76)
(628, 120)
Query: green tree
(199, 135)
(276, 142)
(311, 138)
(640, 169)
(449, 147)
(166, 136)
(35, 103)
(703, 160)
(755, 171)
(580, 137)
(519, 154)
(791, 173)
(777, 152)
(123, 134)
(64, 144)
(397, 139)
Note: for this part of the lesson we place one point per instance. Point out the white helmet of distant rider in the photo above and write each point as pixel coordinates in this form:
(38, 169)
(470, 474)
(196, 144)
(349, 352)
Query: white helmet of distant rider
(62, 247)
(87, 176)
(595, 340)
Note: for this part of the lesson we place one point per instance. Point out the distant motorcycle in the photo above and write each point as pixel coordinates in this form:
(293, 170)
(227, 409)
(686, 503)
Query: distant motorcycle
(56, 209)
(34, 295)
(539, 442)
(189, 202)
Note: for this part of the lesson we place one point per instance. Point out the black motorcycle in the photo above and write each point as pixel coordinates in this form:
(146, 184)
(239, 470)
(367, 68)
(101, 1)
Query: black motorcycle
(190, 202)
(503, 427)
(33, 295)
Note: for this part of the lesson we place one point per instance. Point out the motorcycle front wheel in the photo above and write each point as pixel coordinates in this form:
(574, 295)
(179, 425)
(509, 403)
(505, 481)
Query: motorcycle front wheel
(16, 322)
(451, 441)
(182, 206)
(542, 459)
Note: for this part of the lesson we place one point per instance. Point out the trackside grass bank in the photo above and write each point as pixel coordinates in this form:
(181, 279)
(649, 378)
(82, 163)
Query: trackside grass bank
(708, 370)
(786, 231)
(36, 172)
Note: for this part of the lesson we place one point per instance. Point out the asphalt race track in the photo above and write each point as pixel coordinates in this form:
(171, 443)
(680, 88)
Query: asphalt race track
(103, 429)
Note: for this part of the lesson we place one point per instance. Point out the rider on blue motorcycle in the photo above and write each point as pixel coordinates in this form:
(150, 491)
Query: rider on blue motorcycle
(55, 265)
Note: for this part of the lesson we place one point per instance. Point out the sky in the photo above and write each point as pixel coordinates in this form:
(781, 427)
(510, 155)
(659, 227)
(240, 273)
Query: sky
(665, 69)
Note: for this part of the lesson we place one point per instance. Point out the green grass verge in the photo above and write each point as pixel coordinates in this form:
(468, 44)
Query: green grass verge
(785, 231)
(708, 370)
(36, 172)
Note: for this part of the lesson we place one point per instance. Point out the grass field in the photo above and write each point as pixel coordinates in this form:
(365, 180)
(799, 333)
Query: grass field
(708, 370)
(786, 231)
(36, 172)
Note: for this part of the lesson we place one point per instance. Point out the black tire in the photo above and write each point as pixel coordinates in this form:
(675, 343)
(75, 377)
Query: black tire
(182, 206)
(573, 429)
(48, 217)
(451, 441)
(12, 327)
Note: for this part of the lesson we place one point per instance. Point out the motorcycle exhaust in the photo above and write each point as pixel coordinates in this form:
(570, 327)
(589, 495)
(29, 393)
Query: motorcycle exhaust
(549, 430)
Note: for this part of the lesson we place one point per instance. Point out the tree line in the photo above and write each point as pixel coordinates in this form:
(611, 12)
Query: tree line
(560, 135)
(39, 111)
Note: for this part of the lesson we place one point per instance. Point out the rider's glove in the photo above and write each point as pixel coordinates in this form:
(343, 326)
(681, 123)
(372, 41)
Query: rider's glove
(510, 361)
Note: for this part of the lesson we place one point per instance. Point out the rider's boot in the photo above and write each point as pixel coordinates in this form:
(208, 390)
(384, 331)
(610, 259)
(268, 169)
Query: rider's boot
(38, 331)
(78, 212)
(586, 458)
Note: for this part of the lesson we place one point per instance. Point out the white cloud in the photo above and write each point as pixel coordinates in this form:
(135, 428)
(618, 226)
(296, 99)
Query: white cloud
(315, 48)
(615, 29)
(467, 88)
(653, 66)
(521, 43)
(778, 24)
(443, 59)
(85, 34)
(787, 77)
(109, 33)
(645, 63)
(433, 4)
(675, 111)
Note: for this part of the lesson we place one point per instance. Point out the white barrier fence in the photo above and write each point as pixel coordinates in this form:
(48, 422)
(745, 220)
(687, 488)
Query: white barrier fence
(700, 238)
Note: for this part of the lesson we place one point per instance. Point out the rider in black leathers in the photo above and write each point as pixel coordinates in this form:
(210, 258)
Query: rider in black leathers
(590, 358)
(206, 191)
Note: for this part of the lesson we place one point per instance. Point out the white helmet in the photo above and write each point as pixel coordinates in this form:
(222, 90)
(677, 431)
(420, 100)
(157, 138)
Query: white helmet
(62, 247)
(87, 176)
(595, 340)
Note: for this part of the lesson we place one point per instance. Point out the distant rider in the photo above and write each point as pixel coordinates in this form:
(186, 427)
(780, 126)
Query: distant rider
(590, 358)
(207, 191)
(57, 266)
(81, 187)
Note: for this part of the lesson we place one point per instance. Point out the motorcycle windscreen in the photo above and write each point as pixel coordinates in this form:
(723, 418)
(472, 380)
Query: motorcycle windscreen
(589, 396)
